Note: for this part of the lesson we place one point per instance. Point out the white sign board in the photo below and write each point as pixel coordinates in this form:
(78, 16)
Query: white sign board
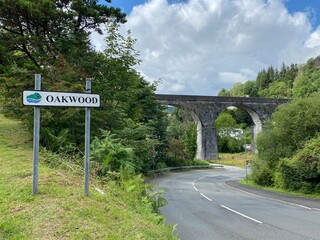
(60, 99)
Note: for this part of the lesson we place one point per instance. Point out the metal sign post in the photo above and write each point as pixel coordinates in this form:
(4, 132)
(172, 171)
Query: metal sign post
(87, 142)
(36, 134)
(38, 98)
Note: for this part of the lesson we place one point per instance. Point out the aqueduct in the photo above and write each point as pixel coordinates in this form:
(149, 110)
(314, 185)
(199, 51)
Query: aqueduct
(205, 110)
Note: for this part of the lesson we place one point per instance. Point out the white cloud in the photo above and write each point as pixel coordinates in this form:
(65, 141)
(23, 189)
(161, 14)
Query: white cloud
(201, 46)
(314, 40)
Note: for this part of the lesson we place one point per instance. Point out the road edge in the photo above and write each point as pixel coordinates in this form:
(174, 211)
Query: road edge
(308, 203)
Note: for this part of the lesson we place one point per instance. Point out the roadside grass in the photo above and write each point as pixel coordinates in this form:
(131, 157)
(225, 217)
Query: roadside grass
(234, 159)
(239, 160)
(60, 210)
(279, 190)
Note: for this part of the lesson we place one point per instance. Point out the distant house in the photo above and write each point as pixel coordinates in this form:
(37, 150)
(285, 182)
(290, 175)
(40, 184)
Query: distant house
(236, 133)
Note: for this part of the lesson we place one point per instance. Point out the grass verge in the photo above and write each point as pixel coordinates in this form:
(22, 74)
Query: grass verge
(234, 159)
(279, 190)
(60, 210)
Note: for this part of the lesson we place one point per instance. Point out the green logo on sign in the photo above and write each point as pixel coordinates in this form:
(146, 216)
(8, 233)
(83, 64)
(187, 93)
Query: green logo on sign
(34, 98)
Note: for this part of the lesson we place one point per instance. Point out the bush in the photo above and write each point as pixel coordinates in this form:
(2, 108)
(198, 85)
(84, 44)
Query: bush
(302, 171)
(109, 154)
(262, 174)
(281, 139)
(227, 144)
(281, 146)
(287, 175)
(177, 154)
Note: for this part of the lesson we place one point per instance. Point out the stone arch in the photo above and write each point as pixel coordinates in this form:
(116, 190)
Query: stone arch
(256, 118)
(205, 110)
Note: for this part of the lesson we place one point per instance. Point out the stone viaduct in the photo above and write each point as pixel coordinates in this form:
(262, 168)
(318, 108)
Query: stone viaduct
(205, 110)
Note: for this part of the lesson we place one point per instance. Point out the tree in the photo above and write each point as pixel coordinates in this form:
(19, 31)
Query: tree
(224, 93)
(308, 80)
(302, 171)
(250, 89)
(237, 90)
(263, 80)
(277, 90)
(226, 125)
(225, 121)
(287, 131)
(45, 32)
(183, 129)
(56, 43)
(41, 36)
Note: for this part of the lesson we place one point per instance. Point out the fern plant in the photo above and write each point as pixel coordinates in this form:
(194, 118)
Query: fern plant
(110, 154)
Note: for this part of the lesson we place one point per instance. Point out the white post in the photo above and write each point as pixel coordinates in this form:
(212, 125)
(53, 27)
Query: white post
(36, 137)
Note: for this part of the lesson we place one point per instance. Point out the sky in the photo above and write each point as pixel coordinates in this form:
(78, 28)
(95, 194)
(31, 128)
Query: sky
(198, 47)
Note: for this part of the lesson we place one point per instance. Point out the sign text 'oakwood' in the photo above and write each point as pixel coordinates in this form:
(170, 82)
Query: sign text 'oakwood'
(60, 99)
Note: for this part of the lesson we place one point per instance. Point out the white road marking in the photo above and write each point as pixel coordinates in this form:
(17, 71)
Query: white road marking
(195, 188)
(302, 206)
(252, 219)
(205, 197)
(274, 199)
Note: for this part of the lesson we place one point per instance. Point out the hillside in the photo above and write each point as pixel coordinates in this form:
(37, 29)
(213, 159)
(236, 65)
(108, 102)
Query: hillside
(60, 210)
(287, 82)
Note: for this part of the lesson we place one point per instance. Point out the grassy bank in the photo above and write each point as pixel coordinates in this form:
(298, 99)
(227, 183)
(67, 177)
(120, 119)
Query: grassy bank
(280, 190)
(60, 210)
(234, 159)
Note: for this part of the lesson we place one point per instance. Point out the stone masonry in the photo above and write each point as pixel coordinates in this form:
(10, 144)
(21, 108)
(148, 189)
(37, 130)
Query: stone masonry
(206, 109)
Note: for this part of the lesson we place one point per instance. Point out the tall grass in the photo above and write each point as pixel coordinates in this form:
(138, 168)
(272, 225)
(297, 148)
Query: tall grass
(61, 210)
(235, 159)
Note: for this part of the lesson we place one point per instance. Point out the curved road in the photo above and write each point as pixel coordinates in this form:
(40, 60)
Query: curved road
(204, 207)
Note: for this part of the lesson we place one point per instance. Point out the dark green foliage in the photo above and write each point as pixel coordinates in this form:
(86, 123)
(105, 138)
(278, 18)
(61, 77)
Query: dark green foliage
(226, 125)
(271, 83)
(242, 117)
(264, 79)
(224, 93)
(282, 139)
(190, 139)
(45, 32)
(182, 130)
(226, 121)
(262, 174)
(291, 125)
(47, 39)
(227, 144)
(308, 79)
(302, 171)
(178, 154)
(110, 154)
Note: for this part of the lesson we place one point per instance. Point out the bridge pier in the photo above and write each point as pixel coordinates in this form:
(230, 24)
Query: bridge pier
(207, 147)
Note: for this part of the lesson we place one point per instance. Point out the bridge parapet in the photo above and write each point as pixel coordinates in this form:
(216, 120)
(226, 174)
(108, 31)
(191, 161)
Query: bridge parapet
(218, 99)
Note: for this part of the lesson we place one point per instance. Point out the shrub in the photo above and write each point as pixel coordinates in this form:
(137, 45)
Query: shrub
(287, 175)
(177, 154)
(227, 144)
(262, 174)
(302, 171)
(109, 154)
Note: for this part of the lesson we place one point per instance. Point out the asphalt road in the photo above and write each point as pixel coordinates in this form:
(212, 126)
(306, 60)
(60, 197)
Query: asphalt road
(203, 206)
